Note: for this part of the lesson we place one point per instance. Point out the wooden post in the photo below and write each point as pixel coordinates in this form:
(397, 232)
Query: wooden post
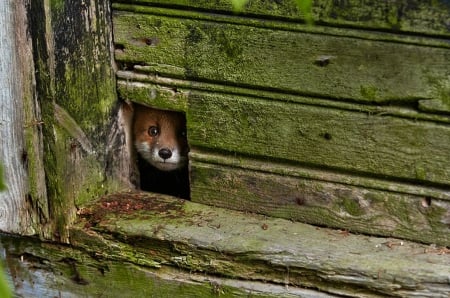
(58, 106)
(17, 123)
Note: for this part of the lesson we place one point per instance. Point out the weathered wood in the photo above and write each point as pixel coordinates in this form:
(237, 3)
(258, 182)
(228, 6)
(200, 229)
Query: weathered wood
(38, 269)
(23, 203)
(418, 16)
(157, 96)
(328, 138)
(170, 93)
(354, 69)
(75, 88)
(247, 246)
(318, 201)
(299, 132)
(370, 204)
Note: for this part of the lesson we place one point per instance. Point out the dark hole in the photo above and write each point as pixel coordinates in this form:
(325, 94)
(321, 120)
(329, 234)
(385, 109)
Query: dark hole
(119, 46)
(162, 157)
(327, 136)
(151, 41)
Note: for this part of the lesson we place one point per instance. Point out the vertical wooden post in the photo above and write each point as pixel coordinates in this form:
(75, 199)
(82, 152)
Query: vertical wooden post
(19, 127)
(59, 128)
(76, 91)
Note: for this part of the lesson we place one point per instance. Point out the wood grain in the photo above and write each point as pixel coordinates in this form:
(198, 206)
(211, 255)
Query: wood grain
(412, 16)
(323, 65)
(321, 137)
(318, 202)
(199, 238)
(19, 132)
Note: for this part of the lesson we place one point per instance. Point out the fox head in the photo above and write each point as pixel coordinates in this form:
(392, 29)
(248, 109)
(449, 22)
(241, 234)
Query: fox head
(160, 137)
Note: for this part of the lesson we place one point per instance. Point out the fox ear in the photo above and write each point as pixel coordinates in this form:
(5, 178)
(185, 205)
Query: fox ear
(127, 106)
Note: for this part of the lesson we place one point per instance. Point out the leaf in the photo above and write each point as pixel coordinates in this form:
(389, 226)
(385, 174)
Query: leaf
(5, 291)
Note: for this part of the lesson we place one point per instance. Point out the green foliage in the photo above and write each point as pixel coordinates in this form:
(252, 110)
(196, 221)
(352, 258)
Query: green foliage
(304, 6)
(5, 291)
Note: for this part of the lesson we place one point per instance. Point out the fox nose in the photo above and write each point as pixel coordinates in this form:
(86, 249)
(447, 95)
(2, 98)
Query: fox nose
(165, 153)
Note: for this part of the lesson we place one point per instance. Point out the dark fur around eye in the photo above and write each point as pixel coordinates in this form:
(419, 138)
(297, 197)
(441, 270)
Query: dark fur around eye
(153, 131)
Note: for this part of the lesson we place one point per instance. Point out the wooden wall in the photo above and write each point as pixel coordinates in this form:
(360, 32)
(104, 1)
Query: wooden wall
(58, 106)
(343, 124)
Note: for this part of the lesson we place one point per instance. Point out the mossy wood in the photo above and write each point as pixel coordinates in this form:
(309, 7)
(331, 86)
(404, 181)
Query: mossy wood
(73, 109)
(416, 16)
(343, 124)
(330, 126)
(140, 244)
(158, 231)
(38, 269)
(320, 64)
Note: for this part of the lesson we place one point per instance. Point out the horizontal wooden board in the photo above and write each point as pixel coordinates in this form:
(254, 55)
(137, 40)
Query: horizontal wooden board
(37, 269)
(368, 144)
(357, 209)
(164, 92)
(337, 67)
(155, 96)
(139, 227)
(418, 16)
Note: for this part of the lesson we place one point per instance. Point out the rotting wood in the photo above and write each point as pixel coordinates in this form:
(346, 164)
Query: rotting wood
(328, 138)
(357, 209)
(23, 202)
(361, 70)
(253, 247)
(39, 269)
(75, 90)
(417, 16)
(148, 87)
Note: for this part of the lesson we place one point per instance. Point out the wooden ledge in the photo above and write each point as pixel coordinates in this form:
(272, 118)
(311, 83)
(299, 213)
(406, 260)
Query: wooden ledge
(156, 230)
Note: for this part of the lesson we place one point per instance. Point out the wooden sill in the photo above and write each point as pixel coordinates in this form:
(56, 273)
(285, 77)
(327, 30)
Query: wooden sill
(156, 231)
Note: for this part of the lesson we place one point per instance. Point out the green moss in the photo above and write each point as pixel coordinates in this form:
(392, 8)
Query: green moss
(57, 5)
(436, 217)
(2, 185)
(421, 172)
(154, 95)
(369, 92)
(351, 206)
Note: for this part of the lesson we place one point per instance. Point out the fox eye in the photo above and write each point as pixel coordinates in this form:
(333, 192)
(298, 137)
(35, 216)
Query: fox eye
(153, 131)
(183, 133)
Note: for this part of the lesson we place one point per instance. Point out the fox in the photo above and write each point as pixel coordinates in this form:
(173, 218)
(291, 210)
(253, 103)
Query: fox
(160, 139)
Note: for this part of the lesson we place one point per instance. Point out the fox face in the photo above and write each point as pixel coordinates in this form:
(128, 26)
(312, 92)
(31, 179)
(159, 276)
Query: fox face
(160, 137)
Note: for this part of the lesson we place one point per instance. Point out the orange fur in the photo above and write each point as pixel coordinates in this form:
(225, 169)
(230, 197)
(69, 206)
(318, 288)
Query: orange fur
(160, 137)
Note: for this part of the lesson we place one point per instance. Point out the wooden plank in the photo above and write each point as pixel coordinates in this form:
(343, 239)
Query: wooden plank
(171, 93)
(355, 69)
(21, 205)
(154, 95)
(316, 201)
(321, 137)
(417, 16)
(37, 269)
(76, 94)
(198, 238)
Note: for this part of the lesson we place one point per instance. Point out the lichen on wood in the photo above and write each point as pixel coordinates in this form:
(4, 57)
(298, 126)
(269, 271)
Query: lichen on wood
(75, 84)
(367, 69)
(209, 240)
